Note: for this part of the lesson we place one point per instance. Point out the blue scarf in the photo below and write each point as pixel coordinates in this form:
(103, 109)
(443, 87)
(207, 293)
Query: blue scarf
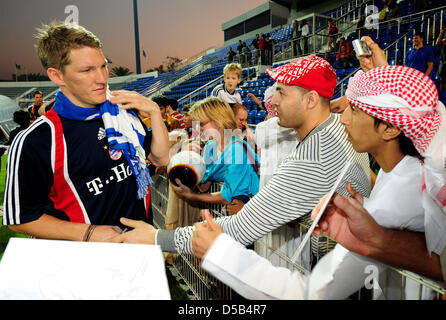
(124, 132)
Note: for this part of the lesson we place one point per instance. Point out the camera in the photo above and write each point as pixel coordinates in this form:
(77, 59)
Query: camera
(361, 49)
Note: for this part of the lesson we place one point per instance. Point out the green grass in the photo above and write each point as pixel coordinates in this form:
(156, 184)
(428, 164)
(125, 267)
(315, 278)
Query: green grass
(5, 232)
(3, 177)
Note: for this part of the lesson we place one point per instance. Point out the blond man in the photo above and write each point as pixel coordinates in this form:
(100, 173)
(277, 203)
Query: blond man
(72, 175)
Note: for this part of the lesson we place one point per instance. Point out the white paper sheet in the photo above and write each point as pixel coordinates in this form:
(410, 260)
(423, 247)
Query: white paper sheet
(321, 212)
(34, 269)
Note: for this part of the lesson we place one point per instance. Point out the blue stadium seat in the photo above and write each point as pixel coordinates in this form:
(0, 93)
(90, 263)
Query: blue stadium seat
(252, 116)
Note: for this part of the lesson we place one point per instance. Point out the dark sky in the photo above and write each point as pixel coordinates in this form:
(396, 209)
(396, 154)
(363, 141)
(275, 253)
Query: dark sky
(177, 28)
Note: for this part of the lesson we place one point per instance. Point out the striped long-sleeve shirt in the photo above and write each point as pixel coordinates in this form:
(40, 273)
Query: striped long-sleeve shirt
(179, 117)
(301, 180)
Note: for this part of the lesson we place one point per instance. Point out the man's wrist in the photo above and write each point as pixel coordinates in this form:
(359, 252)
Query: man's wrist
(379, 242)
(155, 113)
(192, 196)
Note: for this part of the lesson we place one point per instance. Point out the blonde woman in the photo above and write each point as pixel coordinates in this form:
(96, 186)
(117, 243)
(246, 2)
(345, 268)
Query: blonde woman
(228, 159)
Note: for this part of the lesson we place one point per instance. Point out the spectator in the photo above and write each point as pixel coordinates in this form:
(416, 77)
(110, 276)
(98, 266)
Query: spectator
(299, 182)
(34, 108)
(229, 160)
(343, 58)
(255, 45)
(240, 116)
(422, 57)
(332, 33)
(102, 175)
(231, 54)
(187, 120)
(269, 49)
(408, 249)
(241, 121)
(328, 58)
(240, 47)
(170, 122)
(172, 110)
(297, 51)
(393, 10)
(305, 32)
(232, 76)
(23, 120)
(441, 42)
(246, 55)
(240, 52)
(274, 143)
(341, 42)
(262, 48)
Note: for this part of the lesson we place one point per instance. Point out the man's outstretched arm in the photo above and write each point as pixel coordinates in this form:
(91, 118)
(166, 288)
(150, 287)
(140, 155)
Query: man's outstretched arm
(347, 222)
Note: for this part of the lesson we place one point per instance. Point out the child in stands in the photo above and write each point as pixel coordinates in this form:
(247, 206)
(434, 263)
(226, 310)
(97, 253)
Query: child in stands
(232, 75)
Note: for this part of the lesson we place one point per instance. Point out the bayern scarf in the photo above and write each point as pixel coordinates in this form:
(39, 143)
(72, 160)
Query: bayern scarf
(408, 99)
(124, 132)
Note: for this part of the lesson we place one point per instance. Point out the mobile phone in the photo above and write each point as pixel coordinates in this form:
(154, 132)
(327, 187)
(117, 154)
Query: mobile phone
(361, 48)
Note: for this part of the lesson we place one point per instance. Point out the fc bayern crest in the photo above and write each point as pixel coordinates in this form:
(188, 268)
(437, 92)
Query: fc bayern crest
(115, 154)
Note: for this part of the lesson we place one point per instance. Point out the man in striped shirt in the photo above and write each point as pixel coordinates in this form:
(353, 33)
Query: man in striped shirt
(303, 177)
(172, 110)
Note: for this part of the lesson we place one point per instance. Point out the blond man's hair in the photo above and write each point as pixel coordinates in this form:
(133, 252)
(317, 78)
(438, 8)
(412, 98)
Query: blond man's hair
(215, 109)
(55, 42)
(234, 68)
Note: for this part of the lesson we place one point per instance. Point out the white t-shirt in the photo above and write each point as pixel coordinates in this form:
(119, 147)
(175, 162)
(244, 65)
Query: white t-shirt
(221, 92)
(275, 143)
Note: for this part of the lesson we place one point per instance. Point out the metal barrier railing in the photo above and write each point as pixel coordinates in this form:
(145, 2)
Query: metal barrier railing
(206, 287)
(200, 93)
(202, 285)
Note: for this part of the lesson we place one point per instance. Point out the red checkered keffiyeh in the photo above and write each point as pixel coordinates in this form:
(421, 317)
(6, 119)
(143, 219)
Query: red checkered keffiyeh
(408, 99)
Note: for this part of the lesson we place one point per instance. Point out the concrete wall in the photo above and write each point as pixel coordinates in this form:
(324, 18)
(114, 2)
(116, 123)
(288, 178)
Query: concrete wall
(276, 9)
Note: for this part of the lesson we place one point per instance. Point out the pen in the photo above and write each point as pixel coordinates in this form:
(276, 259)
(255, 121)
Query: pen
(125, 230)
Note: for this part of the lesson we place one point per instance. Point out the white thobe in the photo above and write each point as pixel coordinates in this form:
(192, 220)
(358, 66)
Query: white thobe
(395, 202)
